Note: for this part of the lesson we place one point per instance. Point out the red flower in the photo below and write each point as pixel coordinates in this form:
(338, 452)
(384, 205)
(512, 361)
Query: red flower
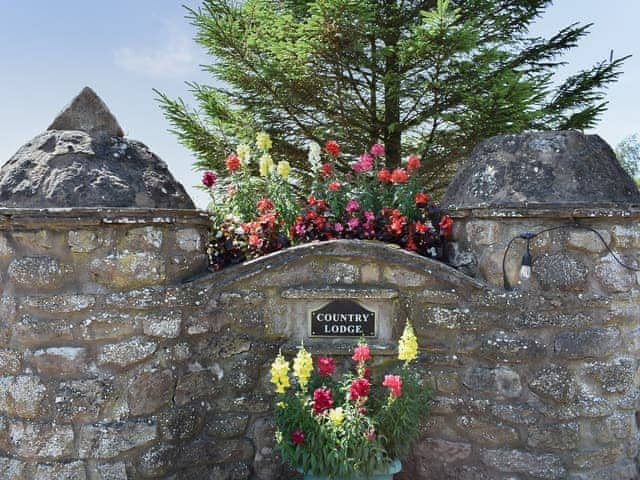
(422, 199)
(334, 186)
(384, 175)
(209, 179)
(359, 389)
(394, 382)
(327, 168)
(265, 205)
(367, 372)
(254, 240)
(232, 162)
(421, 227)
(413, 163)
(370, 434)
(446, 226)
(361, 353)
(332, 148)
(322, 400)
(326, 366)
(297, 437)
(399, 175)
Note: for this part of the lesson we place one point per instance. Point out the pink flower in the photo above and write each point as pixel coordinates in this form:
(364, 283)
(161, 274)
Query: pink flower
(361, 353)
(338, 227)
(377, 149)
(394, 382)
(353, 223)
(352, 206)
(359, 388)
(369, 215)
(209, 179)
(370, 434)
(326, 366)
(322, 400)
(297, 437)
(364, 164)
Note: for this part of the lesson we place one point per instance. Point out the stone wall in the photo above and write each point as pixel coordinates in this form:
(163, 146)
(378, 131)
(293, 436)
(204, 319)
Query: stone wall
(123, 358)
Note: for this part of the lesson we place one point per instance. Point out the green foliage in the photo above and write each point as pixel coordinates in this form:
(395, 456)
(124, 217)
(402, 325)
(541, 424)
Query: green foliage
(628, 153)
(430, 76)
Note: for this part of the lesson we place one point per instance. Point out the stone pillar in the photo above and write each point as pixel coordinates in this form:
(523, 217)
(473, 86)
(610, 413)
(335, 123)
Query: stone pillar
(580, 303)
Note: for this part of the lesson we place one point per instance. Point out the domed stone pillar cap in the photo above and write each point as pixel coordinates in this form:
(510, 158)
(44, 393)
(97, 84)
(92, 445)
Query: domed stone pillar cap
(554, 168)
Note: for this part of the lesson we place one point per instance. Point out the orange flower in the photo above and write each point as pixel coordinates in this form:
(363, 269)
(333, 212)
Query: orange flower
(334, 186)
(413, 162)
(233, 162)
(399, 175)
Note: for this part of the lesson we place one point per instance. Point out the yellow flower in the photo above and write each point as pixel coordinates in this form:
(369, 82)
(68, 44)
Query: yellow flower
(281, 405)
(244, 153)
(278, 437)
(279, 373)
(302, 366)
(408, 344)
(283, 169)
(266, 164)
(336, 415)
(263, 141)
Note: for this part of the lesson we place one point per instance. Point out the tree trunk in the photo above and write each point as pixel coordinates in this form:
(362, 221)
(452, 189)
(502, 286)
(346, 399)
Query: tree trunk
(392, 82)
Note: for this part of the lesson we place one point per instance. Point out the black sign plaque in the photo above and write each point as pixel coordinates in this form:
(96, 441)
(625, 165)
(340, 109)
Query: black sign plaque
(343, 318)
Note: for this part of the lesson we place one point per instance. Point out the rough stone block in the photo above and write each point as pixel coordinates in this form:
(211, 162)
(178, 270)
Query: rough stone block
(158, 460)
(139, 299)
(32, 331)
(593, 459)
(82, 241)
(403, 277)
(613, 276)
(38, 273)
(554, 382)
(60, 471)
(442, 450)
(509, 347)
(88, 400)
(22, 395)
(142, 237)
(226, 426)
(181, 423)
(165, 325)
(59, 303)
(11, 469)
(36, 440)
(487, 434)
(129, 270)
(111, 471)
(557, 436)
(104, 441)
(501, 380)
(189, 240)
(625, 470)
(61, 361)
(560, 271)
(613, 377)
(545, 466)
(587, 343)
(250, 403)
(519, 414)
(10, 361)
(483, 232)
(106, 325)
(626, 236)
(587, 241)
(586, 405)
(196, 385)
(150, 391)
(127, 352)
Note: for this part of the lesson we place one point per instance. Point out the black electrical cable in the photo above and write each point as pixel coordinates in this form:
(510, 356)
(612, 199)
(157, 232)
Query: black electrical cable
(528, 236)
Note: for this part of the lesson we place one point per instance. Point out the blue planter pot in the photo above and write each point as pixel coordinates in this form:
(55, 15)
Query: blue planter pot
(386, 474)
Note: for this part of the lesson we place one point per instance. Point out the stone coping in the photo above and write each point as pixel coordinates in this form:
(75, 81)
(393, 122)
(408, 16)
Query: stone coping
(547, 210)
(35, 218)
(364, 249)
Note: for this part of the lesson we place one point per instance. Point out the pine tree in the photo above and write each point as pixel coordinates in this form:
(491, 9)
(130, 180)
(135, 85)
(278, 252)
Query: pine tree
(433, 77)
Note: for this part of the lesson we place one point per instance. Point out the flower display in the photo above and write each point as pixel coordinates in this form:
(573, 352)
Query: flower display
(354, 425)
(368, 202)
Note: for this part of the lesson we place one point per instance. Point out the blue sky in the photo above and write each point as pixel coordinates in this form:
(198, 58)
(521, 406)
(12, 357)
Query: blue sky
(125, 48)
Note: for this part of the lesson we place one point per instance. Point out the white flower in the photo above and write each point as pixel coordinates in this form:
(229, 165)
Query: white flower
(314, 156)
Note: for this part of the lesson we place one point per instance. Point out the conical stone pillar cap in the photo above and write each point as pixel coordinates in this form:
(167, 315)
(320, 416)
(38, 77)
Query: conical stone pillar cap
(88, 113)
